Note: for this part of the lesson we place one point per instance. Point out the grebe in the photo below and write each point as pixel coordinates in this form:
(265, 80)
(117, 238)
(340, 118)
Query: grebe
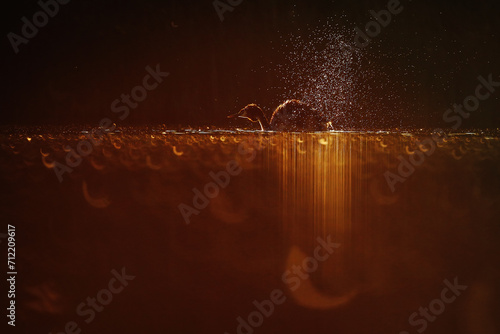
(292, 115)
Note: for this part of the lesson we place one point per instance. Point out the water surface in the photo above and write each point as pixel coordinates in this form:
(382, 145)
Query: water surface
(119, 207)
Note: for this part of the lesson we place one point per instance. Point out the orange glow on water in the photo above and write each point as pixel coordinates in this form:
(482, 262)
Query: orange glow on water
(392, 249)
(317, 184)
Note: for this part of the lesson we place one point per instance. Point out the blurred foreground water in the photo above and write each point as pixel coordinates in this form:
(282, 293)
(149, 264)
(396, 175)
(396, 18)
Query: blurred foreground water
(120, 208)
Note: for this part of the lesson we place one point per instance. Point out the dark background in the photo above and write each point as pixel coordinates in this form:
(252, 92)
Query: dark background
(92, 51)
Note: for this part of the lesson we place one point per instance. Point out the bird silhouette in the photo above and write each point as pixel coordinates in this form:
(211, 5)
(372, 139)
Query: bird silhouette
(292, 115)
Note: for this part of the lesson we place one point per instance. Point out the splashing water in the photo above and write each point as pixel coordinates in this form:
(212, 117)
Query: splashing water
(325, 69)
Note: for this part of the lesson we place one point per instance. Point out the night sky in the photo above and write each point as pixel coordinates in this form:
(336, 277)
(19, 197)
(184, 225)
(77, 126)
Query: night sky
(91, 52)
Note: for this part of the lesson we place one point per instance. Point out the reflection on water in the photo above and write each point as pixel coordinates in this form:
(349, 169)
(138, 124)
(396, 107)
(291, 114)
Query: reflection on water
(120, 207)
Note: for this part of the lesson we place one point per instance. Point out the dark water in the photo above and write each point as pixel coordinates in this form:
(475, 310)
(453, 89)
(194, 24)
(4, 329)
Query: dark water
(394, 251)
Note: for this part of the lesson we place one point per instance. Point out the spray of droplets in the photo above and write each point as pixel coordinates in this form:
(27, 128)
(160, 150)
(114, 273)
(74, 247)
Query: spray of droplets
(326, 70)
